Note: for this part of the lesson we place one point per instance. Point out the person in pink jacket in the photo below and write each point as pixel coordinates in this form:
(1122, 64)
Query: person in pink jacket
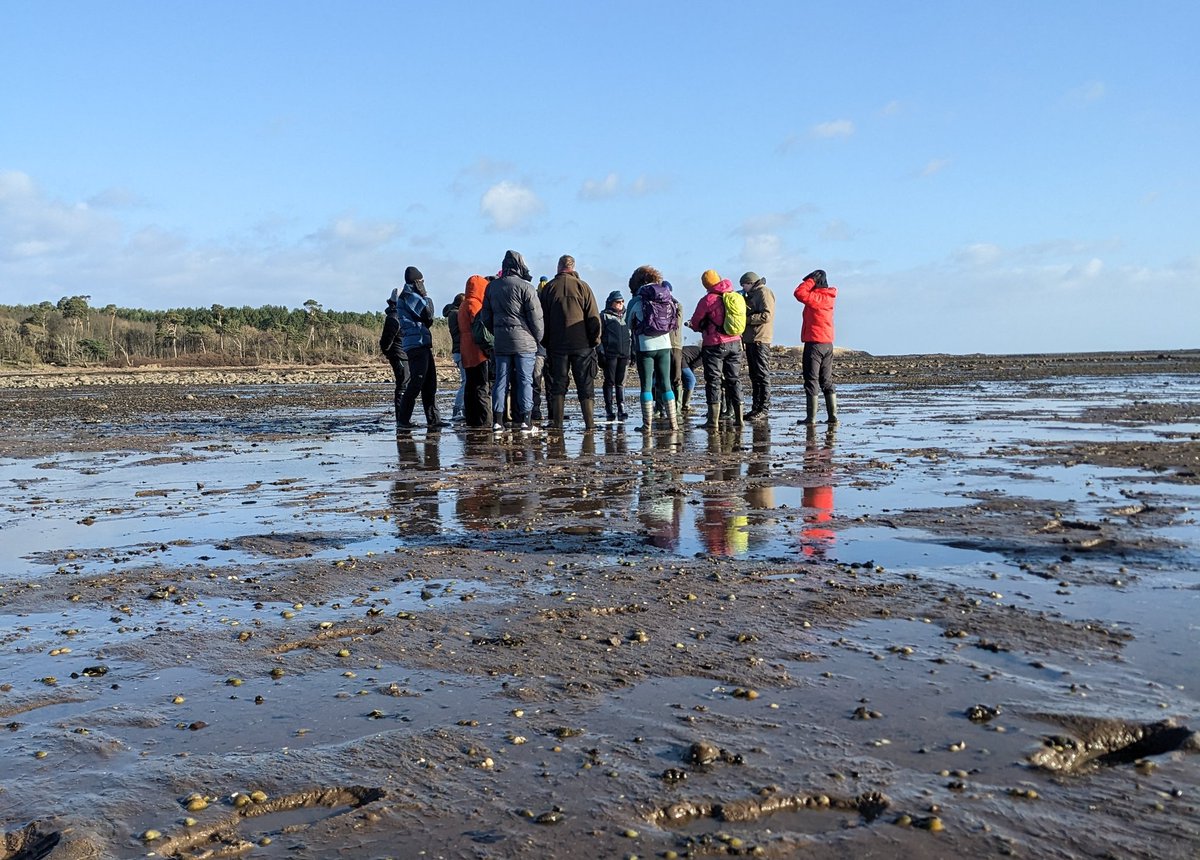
(720, 352)
(816, 333)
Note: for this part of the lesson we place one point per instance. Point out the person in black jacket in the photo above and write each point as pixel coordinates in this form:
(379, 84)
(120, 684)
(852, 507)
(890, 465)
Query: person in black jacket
(615, 350)
(390, 346)
(450, 312)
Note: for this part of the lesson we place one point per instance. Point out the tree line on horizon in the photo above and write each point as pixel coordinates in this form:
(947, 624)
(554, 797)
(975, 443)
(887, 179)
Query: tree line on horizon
(73, 333)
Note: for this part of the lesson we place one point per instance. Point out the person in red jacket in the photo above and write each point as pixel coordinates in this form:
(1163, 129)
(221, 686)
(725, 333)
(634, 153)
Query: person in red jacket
(816, 333)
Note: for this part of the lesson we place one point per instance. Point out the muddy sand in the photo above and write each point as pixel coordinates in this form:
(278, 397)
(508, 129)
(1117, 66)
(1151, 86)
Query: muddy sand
(241, 618)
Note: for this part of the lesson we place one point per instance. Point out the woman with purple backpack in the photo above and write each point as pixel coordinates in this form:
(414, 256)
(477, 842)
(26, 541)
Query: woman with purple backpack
(652, 317)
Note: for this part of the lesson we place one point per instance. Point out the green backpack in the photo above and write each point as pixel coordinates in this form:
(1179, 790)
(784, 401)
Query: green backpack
(735, 313)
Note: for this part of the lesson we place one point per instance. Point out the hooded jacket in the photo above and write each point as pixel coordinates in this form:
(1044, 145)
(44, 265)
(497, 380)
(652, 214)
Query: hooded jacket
(817, 326)
(416, 316)
(709, 315)
(569, 313)
(389, 340)
(472, 355)
(511, 310)
(760, 313)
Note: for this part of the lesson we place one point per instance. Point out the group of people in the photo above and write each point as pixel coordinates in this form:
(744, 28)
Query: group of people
(511, 340)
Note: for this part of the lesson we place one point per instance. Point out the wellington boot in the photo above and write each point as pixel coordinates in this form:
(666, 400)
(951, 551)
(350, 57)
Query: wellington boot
(557, 406)
(831, 407)
(712, 419)
(810, 409)
(588, 408)
(685, 404)
(647, 416)
(736, 416)
(672, 416)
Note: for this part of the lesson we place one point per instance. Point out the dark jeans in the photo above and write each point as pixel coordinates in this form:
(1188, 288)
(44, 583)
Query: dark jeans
(477, 397)
(400, 371)
(758, 362)
(423, 381)
(615, 369)
(580, 365)
(722, 366)
(818, 368)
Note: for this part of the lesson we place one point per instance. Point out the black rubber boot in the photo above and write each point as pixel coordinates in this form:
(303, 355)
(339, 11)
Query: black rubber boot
(831, 407)
(810, 409)
(588, 408)
(712, 419)
(557, 406)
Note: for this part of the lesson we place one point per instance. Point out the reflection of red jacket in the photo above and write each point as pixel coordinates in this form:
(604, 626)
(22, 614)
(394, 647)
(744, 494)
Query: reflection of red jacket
(814, 539)
(818, 311)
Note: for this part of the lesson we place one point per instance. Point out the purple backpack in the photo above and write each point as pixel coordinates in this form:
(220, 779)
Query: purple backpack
(657, 311)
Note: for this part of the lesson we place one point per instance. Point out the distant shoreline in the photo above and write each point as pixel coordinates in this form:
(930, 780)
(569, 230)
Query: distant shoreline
(852, 367)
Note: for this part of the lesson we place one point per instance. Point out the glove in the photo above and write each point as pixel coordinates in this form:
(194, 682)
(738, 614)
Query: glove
(419, 289)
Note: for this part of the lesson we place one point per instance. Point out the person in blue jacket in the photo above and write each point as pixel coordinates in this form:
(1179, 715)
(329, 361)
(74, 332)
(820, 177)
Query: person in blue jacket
(415, 310)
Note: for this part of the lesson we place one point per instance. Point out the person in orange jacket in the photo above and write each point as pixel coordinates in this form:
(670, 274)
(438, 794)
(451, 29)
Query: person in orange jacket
(816, 332)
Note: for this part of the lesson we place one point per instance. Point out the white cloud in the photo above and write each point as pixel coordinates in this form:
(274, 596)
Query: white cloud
(838, 231)
(892, 108)
(611, 186)
(350, 233)
(1088, 93)
(934, 166)
(978, 254)
(834, 128)
(600, 189)
(115, 198)
(509, 205)
(481, 170)
(31, 225)
(767, 222)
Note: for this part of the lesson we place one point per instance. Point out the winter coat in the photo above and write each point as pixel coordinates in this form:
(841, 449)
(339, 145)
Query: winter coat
(389, 341)
(450, 312)
(512, 313)
(817, 326)
(677, 332)
(709, 315)
(760, 314)
(472, 355)
(416, 316)
(572, 322)
(615, 337)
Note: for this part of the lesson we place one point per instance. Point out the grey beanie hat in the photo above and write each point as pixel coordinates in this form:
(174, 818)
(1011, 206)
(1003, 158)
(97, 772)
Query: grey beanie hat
(615, 296)
(750, 279)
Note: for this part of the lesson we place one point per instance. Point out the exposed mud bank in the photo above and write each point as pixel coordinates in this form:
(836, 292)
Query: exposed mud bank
(245, 620)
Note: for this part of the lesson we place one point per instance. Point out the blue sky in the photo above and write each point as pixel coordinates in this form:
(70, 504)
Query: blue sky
(975, 177)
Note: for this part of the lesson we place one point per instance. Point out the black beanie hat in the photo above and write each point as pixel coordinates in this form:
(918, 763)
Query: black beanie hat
(413, 275)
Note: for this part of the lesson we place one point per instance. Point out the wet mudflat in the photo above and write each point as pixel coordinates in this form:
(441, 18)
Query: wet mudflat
(242, 620)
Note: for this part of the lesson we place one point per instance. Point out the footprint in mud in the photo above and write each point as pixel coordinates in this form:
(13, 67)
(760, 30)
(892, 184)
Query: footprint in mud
(227, 831)
(1094, 743)
(29, 843)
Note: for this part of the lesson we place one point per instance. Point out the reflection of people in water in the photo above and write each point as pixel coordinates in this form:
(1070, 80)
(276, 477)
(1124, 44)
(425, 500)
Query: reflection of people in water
(817, 537)
(760, 493)
(414, 496)
(659, 507)
(723, 523)
(724, 527)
